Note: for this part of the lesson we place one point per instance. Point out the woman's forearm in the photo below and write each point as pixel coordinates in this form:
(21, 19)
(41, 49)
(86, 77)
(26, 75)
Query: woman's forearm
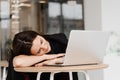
(24, 60)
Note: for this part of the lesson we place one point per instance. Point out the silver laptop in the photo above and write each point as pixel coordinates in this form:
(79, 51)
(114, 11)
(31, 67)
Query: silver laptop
(85, 47)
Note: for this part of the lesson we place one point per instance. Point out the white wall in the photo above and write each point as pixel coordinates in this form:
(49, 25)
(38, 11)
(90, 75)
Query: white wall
(111, 14)
(92, 14)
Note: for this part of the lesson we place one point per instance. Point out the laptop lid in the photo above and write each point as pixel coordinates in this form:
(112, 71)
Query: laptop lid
(86, 47)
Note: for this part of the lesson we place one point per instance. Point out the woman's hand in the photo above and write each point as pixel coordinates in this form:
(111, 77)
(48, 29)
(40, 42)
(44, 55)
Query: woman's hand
(50, 62)
(53, 56)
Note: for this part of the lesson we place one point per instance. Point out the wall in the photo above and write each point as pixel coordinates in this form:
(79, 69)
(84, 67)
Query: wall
(92, 14)
(111, 14)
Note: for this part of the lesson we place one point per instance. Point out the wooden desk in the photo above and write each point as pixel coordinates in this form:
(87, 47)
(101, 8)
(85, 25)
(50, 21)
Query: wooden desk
(69, 69)
(4, 64)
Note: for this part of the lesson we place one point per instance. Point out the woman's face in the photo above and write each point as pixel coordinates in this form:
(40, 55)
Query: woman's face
(40, 46)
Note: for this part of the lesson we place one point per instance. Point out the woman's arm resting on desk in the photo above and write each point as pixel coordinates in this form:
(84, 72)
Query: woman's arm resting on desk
(25, 60)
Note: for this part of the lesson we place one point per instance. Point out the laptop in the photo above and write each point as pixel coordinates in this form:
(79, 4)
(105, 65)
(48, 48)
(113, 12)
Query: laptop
(85, 48)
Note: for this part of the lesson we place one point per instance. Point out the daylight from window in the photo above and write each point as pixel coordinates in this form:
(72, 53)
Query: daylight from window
(68, 11)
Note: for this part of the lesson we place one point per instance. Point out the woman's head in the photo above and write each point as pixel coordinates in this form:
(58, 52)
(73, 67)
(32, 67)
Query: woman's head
(40, 46)
(28, 43)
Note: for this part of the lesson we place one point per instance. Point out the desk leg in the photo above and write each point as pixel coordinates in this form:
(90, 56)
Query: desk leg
(52, 75)
(38, 75)
(70, 76)
(86, 75)
(4, 73)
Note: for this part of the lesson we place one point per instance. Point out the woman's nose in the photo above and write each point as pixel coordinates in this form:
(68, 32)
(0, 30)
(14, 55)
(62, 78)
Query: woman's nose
(44, 46)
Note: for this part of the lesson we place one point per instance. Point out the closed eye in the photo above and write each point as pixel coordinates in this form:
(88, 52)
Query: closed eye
(41, 42)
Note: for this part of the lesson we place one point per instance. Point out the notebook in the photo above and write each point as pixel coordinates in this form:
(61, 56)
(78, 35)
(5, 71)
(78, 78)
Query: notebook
(85, 47)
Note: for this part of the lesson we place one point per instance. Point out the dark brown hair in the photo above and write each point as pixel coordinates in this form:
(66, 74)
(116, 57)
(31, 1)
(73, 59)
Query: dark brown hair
(22, 42)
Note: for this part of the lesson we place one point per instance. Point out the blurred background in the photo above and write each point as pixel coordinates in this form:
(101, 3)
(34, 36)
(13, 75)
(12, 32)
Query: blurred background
(43, 16)
(54, 16)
